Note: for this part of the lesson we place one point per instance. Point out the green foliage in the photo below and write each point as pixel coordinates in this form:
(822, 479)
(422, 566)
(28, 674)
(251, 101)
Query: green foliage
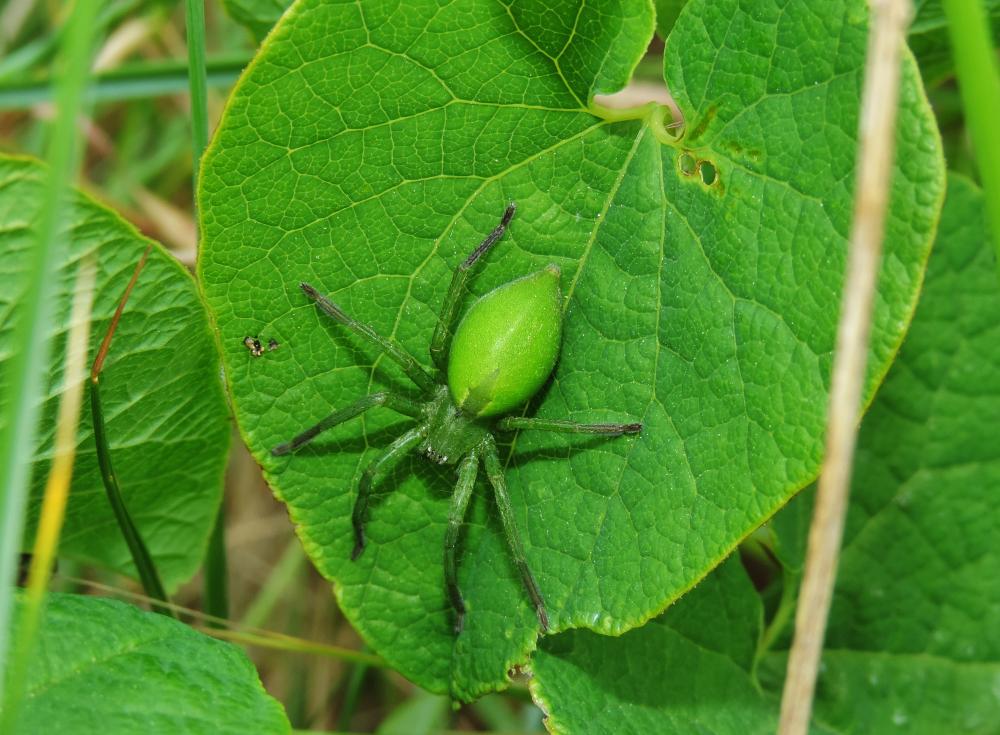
(687, 671)
(163, 401)
(913, 642)
(666, 15)
(914, 632)
(102, 667)
(928, 38)
(366, 151)
(259, 16)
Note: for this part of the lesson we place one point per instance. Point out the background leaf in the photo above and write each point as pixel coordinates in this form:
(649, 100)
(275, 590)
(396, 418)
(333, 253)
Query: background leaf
(687, 671)
(369, 148)
(163, 403)
(914, 632)
(666, 15)
(912, 644)
(104, 667)
(259, 16)
(928, 37)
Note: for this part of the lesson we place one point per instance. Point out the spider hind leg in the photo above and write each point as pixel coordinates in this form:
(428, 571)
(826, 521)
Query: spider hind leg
(494, 470)
(374, 472)
(467, 472)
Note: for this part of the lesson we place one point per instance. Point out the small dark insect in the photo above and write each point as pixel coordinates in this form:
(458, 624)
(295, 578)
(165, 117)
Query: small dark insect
(272, 344)
(498, 357)
(253, 344)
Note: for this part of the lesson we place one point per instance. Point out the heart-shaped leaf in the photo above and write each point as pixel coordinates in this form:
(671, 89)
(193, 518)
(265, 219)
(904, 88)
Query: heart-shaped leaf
(370, 147)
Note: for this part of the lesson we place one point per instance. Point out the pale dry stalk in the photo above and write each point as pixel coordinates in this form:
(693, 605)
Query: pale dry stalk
(875, 154)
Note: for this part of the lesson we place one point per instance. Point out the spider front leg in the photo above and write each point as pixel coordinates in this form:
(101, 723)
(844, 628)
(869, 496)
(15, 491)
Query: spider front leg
(467, 472)
(449, 310)
(395, 352)
(513, 423)
(494, 470)
(373, 473)
(389, 400)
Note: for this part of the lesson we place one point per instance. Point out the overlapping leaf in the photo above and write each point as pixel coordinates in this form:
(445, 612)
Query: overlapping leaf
(368, 149)
(914, 633)
(163, 400)
(687, 671)
(102, 667)
(912, 644)
(259, 16)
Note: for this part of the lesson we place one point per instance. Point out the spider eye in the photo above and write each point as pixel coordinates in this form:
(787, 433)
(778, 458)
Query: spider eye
(506, 345)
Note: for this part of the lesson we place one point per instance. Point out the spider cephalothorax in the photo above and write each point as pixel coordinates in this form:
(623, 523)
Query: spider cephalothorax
(499, 356)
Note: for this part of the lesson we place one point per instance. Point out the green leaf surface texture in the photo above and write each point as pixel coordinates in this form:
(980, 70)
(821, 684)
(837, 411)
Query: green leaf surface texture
(102, 667)
(371, 146)
(163, 399)
(687, 671)
(912, 644)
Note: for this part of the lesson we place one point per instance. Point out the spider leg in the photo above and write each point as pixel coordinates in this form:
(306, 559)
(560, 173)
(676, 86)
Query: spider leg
(512, 423)
(395, 352)
(467, 472)
(373, 473)
(389, 400)
(449, 310)
(494, 470)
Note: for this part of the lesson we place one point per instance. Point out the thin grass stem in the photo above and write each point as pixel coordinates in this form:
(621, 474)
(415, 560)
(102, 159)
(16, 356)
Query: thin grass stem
(141, 80)
(979, 84)
(32, 321)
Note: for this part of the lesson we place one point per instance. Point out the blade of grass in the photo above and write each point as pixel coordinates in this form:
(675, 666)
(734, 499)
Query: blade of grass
(216, 586)
(352, 695)
(141, 557)
(197, 77)
(216, 595)
(284, 574)
(53, 511)
(32, 322)
(979, 85)
(133, 81)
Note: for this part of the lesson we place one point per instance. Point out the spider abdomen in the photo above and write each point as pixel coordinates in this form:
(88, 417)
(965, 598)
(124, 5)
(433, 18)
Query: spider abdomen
(506, 345)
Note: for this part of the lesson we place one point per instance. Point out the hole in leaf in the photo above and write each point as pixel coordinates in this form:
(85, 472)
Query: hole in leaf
(687, 164)
(708, 173)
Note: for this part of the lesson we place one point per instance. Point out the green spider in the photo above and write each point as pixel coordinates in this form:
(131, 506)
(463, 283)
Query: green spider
(500, 355)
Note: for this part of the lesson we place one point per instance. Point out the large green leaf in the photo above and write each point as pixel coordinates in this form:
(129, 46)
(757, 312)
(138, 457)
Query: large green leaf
(913, 642)
(104, 667)
(163, 401)
(370, 146)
